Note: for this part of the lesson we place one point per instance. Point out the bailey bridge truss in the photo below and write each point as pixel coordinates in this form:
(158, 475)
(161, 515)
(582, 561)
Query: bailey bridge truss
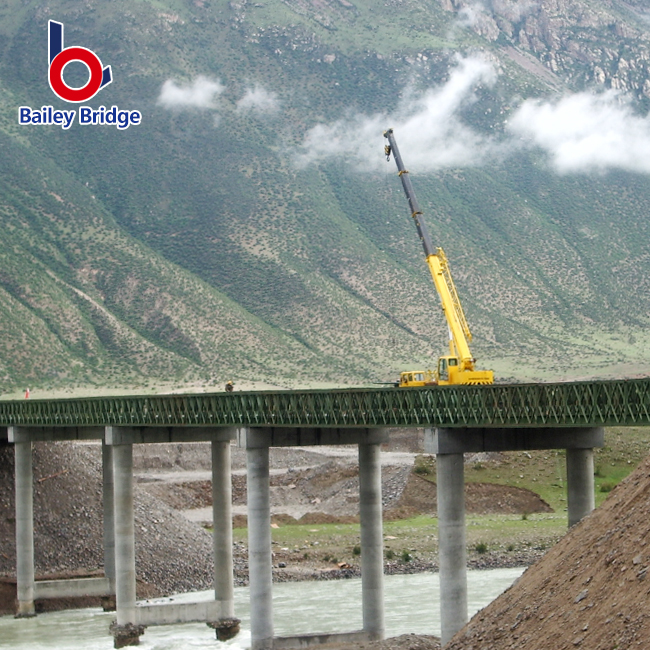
(570, 404)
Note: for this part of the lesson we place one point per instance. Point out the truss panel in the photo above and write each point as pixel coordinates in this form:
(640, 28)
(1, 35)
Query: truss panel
(600, 403)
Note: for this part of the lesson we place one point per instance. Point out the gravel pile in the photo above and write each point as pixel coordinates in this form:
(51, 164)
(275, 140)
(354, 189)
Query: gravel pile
(172, 553)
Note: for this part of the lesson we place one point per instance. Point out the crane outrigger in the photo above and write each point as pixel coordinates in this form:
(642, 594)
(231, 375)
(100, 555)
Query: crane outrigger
(458, 366)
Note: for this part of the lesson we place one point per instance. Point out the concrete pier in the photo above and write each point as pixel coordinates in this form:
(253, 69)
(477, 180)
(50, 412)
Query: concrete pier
(226, 625)
(109, 524)
(259, 548)
(372, 541)
(24, 482)
(581, 498)
(451, 541)
(126, 632)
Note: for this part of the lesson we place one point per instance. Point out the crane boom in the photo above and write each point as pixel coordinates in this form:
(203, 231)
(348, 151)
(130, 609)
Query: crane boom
(459, 366)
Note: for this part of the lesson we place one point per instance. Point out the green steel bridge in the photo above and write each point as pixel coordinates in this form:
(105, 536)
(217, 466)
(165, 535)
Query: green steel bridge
(568, 404)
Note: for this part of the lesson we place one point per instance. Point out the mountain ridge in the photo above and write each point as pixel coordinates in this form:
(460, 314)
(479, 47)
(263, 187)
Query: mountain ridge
(210, 255)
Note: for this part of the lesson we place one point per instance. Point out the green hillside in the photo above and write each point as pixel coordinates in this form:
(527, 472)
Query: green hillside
(194, 248)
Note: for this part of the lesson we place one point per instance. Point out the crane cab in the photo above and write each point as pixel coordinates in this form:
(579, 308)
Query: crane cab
(452, 370)
(448, 370)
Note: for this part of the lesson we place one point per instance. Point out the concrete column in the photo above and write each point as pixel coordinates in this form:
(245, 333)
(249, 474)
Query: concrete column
(259, 549)
(372, 542)
(224, 594)
(580, 483)
(125, 631)
(109, 520)
(24, 481)
(451, 540)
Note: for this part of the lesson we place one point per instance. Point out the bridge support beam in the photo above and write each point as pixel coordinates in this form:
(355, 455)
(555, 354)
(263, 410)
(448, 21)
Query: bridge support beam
(109, 524)
(24, 482)
(260, 568)
(449, 446)
(451, 543)
(125, 631)
(372, 541)
(226, 626)
(580, 483)
(257, 442)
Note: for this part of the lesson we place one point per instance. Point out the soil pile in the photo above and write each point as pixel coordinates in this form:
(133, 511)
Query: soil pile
(421, 496)
(589, 591)
(172, 553)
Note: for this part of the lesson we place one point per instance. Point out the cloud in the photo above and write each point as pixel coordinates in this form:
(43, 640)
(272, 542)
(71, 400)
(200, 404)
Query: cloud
(202, 93)
(585, 132)
(469, 15)
(258, 100)
(428, 127)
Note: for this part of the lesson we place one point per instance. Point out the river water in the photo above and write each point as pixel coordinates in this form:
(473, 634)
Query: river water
(412, 605)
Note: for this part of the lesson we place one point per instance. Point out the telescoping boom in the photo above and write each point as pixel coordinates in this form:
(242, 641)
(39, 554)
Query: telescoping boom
(458, 366)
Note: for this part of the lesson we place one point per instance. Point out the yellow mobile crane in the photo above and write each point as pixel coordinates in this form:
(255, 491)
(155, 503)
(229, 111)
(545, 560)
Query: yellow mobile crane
(458, 366)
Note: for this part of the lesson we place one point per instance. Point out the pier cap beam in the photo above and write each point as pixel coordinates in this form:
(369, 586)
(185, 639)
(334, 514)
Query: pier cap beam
(261, 437)
(474, 440)
(154, 434)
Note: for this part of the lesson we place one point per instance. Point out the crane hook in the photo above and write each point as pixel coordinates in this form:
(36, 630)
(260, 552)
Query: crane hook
(387, 151)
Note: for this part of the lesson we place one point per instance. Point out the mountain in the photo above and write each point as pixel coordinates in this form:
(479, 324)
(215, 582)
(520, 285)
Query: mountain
(249, 228)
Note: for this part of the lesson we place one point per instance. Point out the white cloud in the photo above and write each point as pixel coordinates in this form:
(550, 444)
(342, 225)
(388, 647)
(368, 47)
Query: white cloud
(585, 132)
(258, 100)
(428, 128)
(202, 93)
(469, 15)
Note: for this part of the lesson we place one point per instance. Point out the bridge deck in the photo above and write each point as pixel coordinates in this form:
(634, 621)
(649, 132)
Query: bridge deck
(571, 404)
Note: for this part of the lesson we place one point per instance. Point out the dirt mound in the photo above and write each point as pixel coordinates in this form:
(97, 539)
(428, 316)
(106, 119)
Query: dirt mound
(329, 493)
(309, 518)
(421, 496)
(183, 496)
(589, 591)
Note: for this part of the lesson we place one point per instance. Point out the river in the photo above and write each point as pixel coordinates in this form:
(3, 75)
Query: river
(412, 605)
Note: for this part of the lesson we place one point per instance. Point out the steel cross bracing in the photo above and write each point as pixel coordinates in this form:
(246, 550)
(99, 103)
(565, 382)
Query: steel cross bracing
(598, 403)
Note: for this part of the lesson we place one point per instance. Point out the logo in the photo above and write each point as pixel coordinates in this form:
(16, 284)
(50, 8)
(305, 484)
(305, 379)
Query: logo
(60, 56)
(99, 76)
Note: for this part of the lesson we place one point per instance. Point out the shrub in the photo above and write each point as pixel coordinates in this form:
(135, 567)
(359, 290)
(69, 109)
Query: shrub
(406, 556)
(356, 550)
(481, 548)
